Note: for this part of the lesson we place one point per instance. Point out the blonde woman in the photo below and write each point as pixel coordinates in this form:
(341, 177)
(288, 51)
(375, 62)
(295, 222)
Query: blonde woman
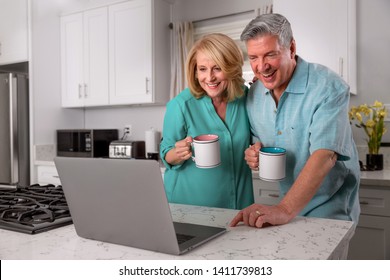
(214, 103)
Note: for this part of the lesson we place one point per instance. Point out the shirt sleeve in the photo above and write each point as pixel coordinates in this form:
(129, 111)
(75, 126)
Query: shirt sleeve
(330, 128)
(174, 129)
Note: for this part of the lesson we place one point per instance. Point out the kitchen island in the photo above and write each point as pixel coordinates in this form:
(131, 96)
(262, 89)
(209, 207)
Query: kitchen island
(303, 238)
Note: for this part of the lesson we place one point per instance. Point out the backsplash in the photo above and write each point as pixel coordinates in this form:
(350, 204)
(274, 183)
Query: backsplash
(45, 152)
(363, 151)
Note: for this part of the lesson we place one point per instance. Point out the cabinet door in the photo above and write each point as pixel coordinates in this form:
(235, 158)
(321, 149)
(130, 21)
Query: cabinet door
(48, 175)
(13, 31)
(371, 240)
(84, 58)
(130, 48)
(95, 54)
(72, 86)
(325, 33)
(266, 193)
(374, 201)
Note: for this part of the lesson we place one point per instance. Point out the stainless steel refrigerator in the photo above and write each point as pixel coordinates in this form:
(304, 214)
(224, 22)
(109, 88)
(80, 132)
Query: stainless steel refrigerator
(14, 130)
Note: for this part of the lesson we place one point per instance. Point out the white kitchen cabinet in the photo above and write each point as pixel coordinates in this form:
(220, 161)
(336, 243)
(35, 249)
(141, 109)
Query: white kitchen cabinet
(325, 33)
(266, 193)
(84, 58)
(139, 47)
(47, 174)
(118, 54)
(372, 236)
(13, 31)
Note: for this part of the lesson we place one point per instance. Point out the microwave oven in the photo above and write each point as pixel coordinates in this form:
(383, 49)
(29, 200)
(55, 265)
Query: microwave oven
(85, 142)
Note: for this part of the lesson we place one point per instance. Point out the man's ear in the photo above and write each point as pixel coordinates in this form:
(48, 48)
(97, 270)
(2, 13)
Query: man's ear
(293, 49)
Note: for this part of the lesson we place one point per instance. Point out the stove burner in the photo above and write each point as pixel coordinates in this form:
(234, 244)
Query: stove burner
(33, 209)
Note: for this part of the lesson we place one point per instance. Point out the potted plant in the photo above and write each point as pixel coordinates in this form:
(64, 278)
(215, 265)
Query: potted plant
(371, 119)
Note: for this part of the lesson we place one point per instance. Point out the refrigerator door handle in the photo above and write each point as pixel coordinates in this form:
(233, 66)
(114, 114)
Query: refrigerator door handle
(13, 117)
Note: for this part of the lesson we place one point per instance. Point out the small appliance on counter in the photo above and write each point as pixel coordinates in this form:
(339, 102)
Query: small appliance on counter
(127, 149)
(85, 142)
(152, 139)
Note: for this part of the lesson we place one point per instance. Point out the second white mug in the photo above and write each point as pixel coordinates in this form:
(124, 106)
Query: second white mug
(206, 151)
(272, 163)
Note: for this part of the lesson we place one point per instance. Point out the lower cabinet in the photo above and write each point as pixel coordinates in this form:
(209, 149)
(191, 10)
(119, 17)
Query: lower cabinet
(266, 193)
(372, 236)
(47, 174)
(371, 240)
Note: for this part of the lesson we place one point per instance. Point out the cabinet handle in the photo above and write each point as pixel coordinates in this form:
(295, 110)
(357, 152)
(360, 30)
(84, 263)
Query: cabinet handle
(80, 95)
(147, 84)
(0, 48)
(341, 67)
(85, 91)
(273, 195)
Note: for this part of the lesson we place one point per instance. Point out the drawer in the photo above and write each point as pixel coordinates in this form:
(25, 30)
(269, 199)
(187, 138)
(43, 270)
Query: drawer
(48, 175)
(266, 192)
(374, 201)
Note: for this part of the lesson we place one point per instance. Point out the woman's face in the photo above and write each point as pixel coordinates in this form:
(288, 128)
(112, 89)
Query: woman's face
(210, 76)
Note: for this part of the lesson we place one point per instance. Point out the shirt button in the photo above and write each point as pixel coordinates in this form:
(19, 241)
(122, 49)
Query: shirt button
(279, 132)
(275, 111)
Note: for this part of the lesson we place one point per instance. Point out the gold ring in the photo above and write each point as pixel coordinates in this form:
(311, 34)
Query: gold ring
(258, 212)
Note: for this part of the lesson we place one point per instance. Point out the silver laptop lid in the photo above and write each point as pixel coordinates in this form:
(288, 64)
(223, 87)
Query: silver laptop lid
(118, 201)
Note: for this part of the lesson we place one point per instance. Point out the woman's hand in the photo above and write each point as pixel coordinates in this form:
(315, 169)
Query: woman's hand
(181, 152)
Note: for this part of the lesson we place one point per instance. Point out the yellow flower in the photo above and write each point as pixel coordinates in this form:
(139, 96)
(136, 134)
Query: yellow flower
(370, 123)
(377, 104)
(358, 117)
(371, 119)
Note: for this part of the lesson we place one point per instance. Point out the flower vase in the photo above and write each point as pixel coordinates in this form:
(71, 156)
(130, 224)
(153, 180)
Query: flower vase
(374, 161)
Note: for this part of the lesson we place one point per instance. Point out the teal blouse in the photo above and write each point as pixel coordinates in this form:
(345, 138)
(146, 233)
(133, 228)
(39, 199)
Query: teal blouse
(230, 184)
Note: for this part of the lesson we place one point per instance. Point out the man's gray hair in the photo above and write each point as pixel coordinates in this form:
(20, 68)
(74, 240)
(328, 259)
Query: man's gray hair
(269, 24)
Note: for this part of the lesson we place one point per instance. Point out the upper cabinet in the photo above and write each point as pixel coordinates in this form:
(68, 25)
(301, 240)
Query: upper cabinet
(325, 33)
(84, 58)
(110, 56)
(13, 31)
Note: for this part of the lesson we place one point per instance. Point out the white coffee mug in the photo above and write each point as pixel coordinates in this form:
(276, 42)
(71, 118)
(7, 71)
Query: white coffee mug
(206, 151)
(272, 164)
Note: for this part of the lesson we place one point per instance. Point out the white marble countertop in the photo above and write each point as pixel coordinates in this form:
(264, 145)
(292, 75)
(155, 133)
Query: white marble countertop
(303, 238)
(375, 178)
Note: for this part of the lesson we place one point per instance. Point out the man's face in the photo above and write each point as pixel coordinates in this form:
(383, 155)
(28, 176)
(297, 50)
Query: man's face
(271, 63)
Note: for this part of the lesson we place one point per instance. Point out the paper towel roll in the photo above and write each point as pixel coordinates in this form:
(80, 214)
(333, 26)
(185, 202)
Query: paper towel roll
(152, 141)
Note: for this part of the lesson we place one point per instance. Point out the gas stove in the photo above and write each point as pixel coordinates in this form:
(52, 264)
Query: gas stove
(33, 209)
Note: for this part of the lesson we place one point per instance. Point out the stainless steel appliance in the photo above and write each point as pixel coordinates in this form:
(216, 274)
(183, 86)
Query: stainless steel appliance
(14, 129)
(127, 149)
(33, 209)
(85, 142)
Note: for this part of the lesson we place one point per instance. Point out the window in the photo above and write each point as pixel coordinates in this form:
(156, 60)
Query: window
(231, 25)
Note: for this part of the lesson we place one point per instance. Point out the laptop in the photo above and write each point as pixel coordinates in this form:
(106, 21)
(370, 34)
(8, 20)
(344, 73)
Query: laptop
(123, 201)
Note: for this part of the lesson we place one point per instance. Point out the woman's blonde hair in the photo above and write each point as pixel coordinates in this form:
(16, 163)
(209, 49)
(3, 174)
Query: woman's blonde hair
(226, 54)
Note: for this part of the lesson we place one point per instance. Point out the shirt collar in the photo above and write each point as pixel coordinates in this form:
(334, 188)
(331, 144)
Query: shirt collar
(298, 82)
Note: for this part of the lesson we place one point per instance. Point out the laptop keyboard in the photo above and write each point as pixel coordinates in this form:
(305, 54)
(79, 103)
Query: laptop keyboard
(181, 238)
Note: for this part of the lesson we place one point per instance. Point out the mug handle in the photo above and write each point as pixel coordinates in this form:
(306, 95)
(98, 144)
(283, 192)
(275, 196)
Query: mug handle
(193, 151)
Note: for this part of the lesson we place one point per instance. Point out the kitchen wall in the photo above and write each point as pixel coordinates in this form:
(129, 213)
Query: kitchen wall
(373, 40)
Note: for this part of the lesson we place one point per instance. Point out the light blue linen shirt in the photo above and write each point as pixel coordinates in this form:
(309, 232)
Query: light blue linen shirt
(312, 114)
(226, 186)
